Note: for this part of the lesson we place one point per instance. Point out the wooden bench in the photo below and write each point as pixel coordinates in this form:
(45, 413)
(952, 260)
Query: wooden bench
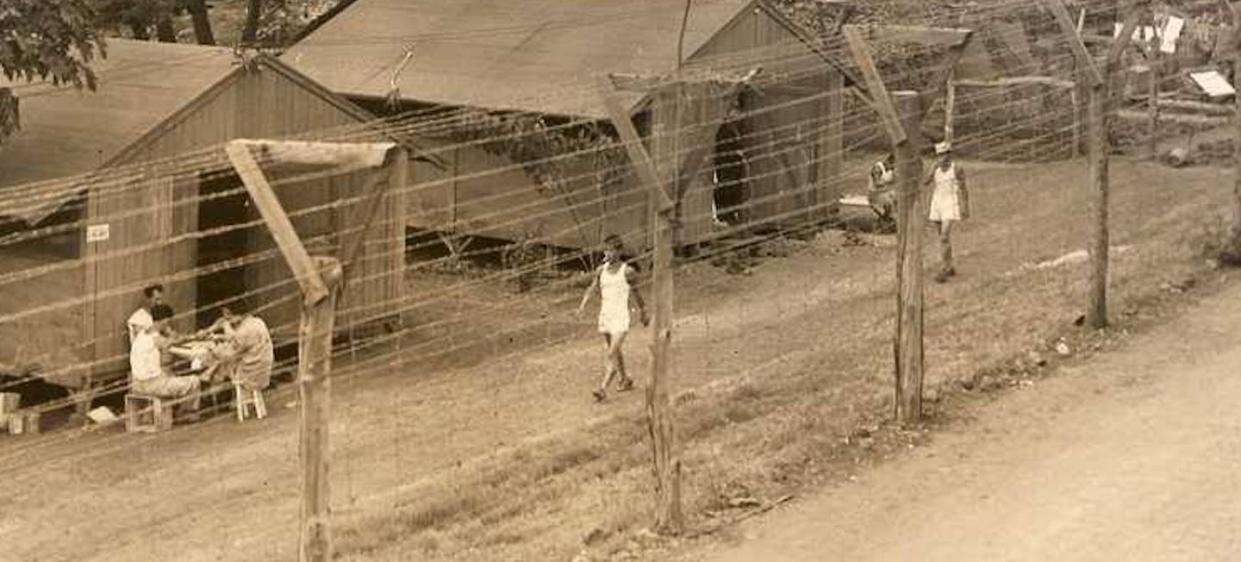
(139, 408)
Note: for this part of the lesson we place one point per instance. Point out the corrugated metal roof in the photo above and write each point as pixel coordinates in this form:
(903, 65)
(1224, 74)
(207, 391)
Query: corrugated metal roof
(67, 132)
(530, 55)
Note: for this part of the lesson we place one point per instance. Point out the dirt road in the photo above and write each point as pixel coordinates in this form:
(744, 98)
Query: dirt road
(1130, 457)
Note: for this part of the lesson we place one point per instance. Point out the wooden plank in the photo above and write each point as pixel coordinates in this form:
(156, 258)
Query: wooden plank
(874, 82)
(911, 222)
(636, 83)
(1017, 81)
(1122, 42)
(921, 35)
(831, 144)
(277, 221)
(359, 222)
(950, 108)
(641, 161)
(1084, 60)
(939, 84)
(350, 155)
(314, 367)
(1013, 36)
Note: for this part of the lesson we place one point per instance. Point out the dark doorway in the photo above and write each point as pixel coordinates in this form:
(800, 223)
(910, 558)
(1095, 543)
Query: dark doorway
(731, 170)
(224, 205)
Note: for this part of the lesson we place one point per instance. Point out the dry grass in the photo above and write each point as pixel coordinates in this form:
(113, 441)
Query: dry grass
(782, 427)
(782, 381)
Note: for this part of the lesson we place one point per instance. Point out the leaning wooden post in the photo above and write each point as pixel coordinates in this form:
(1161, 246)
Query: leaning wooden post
(911, 221)
(315, 386)
(1153, 108)
(1235, 250)
(950, 106)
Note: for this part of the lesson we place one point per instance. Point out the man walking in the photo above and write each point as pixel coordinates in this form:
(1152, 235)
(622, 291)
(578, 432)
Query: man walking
(615, 281)
(949, 203)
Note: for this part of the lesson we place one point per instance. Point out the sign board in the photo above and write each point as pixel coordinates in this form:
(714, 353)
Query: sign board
(98, 232)
(1213, 83)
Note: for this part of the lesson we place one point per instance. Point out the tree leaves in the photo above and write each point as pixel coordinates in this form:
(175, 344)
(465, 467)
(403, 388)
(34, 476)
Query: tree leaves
(48, 40)
(51, 40)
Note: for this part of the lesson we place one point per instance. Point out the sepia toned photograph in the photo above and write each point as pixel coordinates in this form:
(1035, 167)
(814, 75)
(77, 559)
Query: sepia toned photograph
(620, 280)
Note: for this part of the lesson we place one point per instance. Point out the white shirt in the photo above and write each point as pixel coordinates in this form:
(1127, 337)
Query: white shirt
(144, 358)
(139, 321)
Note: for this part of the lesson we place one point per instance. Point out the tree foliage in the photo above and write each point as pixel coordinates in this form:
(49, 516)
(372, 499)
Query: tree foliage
(49, 40)
(46, 40)
(140, 16)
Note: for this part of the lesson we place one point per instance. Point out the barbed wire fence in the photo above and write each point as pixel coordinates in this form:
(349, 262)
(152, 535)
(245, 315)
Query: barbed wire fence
(439, 322)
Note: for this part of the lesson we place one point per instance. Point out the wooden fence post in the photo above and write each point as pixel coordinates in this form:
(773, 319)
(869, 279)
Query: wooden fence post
(911, 221)
(1096, 310)
(667, 461)
(1095, 78)
(314, 366)
(668, 515)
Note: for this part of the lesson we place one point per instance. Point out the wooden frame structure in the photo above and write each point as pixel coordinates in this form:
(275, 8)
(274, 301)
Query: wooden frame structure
(320, 279)
(901, 114)
(954, 84)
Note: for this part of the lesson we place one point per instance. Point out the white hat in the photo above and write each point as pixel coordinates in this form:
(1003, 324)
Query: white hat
(943, 148)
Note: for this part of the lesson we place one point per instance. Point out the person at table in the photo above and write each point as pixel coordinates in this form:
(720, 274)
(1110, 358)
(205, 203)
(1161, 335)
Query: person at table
(146, 363)
(141, 318)
(247, 356)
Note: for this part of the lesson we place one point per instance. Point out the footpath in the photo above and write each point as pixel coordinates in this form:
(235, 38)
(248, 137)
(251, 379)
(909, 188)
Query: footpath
(1134, 455)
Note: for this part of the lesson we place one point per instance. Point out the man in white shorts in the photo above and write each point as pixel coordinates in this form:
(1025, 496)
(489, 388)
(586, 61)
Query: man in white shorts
(615, 281)
(949, 203)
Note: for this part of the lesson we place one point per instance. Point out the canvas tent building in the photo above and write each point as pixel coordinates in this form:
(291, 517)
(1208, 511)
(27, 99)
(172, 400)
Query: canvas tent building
(75, 253)
(540, 57)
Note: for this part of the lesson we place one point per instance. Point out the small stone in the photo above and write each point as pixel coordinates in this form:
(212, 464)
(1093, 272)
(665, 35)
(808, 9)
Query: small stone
(931, 396)
(967, 384)
(646, 535)
(866, 443)
(1213, 264)
(1036, 359)
(595, 536)
(988, 382)
(1025, 383)
(1063, 349)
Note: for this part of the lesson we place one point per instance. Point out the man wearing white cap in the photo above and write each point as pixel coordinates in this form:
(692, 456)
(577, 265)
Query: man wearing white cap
(949, 203)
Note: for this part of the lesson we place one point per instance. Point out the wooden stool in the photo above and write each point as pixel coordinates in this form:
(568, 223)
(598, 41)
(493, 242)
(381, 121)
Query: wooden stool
(140, 407)
(243, 398)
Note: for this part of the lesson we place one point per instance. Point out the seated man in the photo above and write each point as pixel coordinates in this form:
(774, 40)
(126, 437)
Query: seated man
(141, 318)
(247, 356)
(880, 196)
(147, 373)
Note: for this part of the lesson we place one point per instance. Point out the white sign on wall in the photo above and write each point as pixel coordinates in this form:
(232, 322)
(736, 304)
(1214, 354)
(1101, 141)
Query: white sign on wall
(98, 232)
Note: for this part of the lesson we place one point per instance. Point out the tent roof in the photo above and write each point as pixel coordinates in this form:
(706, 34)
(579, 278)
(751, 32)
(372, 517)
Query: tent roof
(66, 131)
(533, 55)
